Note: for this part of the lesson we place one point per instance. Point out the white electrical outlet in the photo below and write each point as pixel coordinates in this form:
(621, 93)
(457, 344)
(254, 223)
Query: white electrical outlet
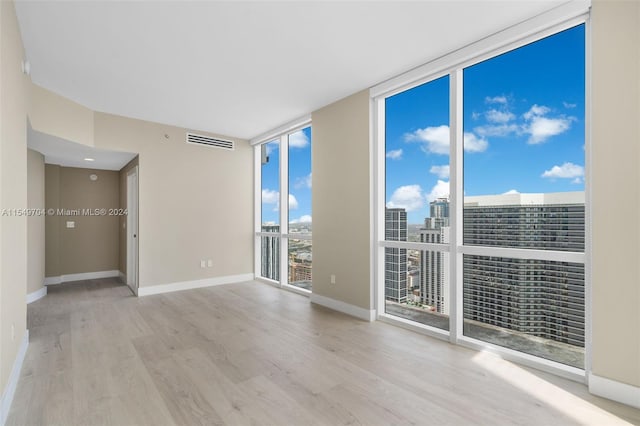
(203, 263)
(333, 279)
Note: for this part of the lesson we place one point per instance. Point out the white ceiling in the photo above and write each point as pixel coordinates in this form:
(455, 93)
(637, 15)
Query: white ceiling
(242, 68)
(70, 154)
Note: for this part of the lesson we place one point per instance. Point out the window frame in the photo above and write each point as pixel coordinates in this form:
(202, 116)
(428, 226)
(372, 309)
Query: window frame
(537, 28)
(280, 134)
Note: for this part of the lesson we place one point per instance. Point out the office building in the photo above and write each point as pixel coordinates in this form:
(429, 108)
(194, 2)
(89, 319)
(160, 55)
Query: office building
(395, 259)
(434, 265)
(537, 297)
(270, 253)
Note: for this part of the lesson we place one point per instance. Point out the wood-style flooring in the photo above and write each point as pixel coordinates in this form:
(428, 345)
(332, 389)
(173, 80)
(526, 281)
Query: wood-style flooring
(251, 354)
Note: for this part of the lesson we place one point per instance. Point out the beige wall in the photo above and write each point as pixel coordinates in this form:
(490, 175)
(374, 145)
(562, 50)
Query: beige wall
(194, 202)
(13, 190)
(59, 116)
(93, 245)
(616, 190)
(341, 226)
(35, 223)
(123, 219)
(52, 222)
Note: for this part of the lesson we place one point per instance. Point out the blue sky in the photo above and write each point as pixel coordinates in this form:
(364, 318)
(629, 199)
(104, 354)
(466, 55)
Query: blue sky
(523, 125)
(299, 179)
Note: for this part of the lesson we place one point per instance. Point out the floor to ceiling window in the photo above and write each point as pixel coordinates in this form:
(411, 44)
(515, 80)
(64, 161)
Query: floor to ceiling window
(270, 210)
(284, 221)
(525, 197)
(481, 199)
(416, 208)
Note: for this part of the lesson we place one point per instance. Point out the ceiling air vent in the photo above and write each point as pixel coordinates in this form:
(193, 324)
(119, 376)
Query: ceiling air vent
(208, 141)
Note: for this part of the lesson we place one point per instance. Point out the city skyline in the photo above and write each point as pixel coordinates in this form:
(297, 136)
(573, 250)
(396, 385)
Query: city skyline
(523, 119)
(520, 297)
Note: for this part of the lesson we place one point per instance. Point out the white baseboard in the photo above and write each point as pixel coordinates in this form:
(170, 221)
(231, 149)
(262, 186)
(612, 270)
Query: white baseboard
(52, 280)
(614, 390)
(78, 277)
(345, 308)
(10, 390)
(37, 295)
(188, 285)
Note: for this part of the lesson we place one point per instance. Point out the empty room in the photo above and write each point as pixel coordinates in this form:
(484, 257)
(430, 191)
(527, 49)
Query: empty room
(319, 212)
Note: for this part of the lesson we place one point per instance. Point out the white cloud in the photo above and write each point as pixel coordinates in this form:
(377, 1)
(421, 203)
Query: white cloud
(303, 219)
(495, 116)
(566, 171)
(303, 182)
(298, 140)
(497, 129)
(541, 128)
(408, 197)
(436, 140)
(577, 180)
(496, 99)
(270, 196)
(511, 191)
(271, 147)
(440, 190)
(568, 105)
(395, 154)
(475, 115)
(472, 143)
(536, 110)
(293, 203)
(441, 171)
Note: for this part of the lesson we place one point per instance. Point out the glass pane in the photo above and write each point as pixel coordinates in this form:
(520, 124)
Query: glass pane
(300, 182)
(270, 256)
(531, 306)
(525, 187)
(300, 263)
(526, 190)
(270, 176)
(417, 160)
(417, 285)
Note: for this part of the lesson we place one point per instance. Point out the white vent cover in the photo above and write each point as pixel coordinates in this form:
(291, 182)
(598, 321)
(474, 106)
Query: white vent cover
(208, 141)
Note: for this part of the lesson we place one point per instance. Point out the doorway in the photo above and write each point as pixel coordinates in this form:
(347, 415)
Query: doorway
(132, 229)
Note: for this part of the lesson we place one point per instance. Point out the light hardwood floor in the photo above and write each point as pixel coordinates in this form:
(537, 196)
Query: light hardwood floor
(249, 353)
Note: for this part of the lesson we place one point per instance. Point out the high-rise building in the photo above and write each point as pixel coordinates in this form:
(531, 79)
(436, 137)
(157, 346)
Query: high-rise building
(270, 249)
(439, 214)
(434, 265)
(537, 297)
(395, 259)
(300, 268)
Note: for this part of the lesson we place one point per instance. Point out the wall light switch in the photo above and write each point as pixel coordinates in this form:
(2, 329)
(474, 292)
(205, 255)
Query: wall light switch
(202, 264)
(210, 263)
(71, 224)
(333, 279)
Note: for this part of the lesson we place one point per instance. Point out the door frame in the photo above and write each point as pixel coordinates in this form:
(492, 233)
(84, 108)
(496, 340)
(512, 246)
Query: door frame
(132, 229)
